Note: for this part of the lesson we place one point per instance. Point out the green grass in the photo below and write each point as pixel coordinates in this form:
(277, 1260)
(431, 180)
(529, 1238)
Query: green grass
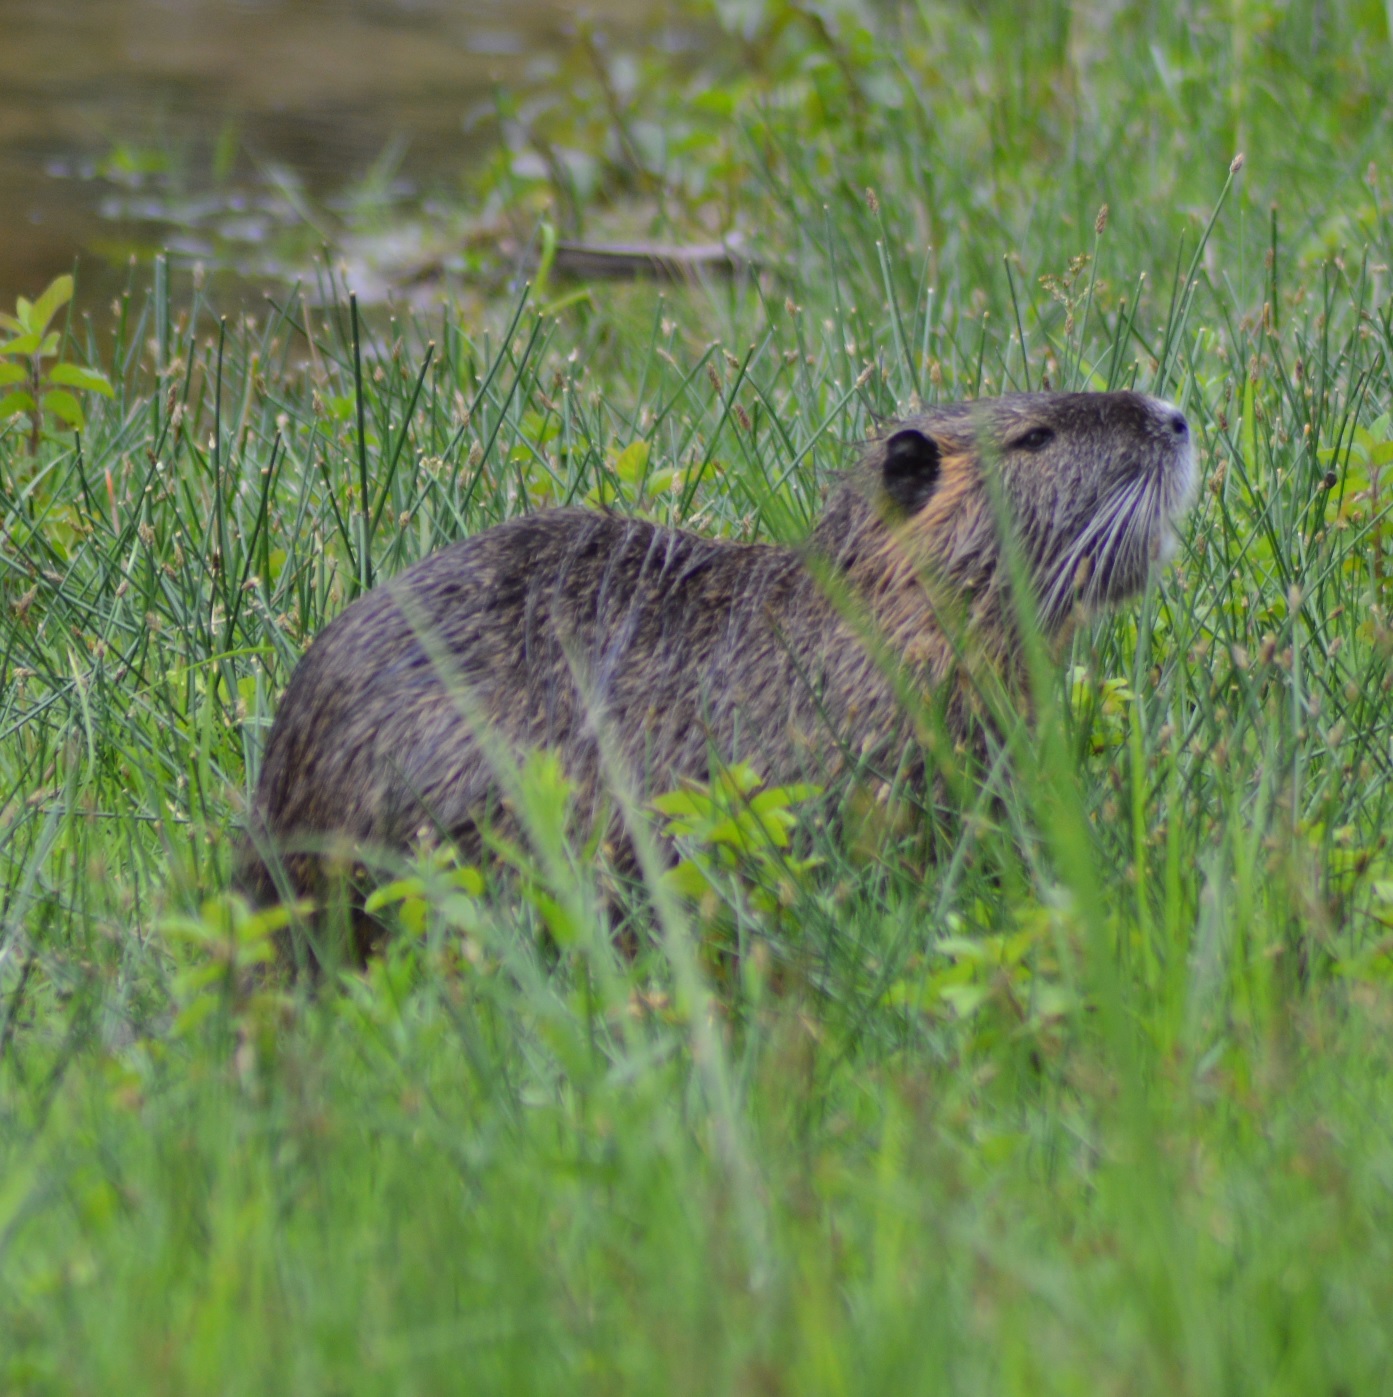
(1080, 1085)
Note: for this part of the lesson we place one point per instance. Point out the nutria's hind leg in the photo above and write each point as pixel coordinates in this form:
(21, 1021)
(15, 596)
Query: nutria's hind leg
(329, 876)
(267, 876)
(258, 872)
(332, 934)
(467, 839)
(343, 932)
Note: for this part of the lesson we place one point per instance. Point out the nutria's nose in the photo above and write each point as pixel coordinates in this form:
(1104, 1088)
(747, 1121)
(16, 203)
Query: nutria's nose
(1179, 425)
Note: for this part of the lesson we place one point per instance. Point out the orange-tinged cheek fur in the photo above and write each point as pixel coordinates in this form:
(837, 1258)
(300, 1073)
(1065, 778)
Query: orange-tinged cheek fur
(934, 575)
(945, 539)
(930, 576)
(952, 517)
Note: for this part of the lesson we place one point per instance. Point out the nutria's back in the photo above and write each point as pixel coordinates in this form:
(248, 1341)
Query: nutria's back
(688, 648)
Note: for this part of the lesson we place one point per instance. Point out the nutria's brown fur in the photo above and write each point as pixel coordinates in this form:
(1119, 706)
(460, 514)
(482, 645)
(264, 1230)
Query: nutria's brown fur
(687, 648)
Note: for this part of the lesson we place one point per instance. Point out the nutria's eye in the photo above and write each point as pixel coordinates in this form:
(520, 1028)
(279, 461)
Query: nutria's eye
(1036, 439)
(910, 470)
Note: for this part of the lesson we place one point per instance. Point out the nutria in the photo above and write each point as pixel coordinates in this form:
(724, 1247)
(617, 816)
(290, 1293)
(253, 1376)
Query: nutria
(690, 648)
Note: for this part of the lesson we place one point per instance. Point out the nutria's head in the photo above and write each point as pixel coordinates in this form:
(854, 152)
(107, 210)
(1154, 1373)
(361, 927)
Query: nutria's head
(1092, 483)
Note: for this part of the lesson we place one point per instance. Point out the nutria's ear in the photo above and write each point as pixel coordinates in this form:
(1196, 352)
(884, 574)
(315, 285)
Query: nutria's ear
(910, 471)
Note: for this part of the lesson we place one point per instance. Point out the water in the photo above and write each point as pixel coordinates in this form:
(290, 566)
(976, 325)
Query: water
(127, 125)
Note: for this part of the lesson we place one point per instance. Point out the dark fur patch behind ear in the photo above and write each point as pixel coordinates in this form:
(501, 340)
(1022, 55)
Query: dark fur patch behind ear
(910, 470)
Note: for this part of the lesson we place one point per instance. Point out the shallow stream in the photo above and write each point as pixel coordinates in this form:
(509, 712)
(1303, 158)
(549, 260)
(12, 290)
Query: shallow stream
(199, 125)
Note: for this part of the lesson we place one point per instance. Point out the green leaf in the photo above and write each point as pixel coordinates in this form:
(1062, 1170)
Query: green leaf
(12, 373)
(71, 376)
(389, 893)
(780, 797)
(560, 923)
(962, 948)
(537, 430)
(24, 344)
(966, 1000)
(631, 463)
(469, 879)
(726, 831)
(16, 403)
(64, 406)
(687, 879)
(49, 347)
(682, 803)
(738, 779)
(413, 915)
(57, 295)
